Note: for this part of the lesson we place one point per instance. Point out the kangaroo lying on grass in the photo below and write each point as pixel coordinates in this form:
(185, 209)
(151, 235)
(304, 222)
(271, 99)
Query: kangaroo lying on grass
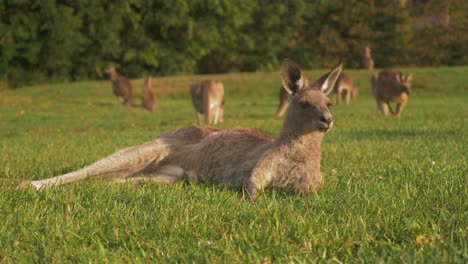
(121, 86)
(234, 157)
(147, 97)
(345, 86)
(389, 86)
(208, 100)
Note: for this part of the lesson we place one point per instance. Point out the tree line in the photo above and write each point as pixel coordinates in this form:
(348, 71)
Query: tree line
(57, 40)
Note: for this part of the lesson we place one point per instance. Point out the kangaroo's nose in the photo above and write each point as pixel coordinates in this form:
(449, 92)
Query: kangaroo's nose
(327, 120)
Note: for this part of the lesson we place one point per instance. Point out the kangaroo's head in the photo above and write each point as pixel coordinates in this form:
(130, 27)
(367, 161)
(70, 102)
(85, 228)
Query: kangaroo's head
(309, 107)
(405, 82)
(111, 69)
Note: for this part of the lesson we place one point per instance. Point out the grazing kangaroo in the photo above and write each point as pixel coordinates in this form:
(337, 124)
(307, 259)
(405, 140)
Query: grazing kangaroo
(345, 86)
(367, 58)
(389, 86)
(233, 157)
(121, 86)
(208, 100)
(284, 99)
(147, 97)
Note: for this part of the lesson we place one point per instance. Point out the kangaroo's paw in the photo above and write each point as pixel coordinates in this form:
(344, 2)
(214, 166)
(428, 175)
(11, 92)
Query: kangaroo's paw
(252, 191)
(34, 184)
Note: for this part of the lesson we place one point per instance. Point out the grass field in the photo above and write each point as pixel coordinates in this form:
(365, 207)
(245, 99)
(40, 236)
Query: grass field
(395, 189)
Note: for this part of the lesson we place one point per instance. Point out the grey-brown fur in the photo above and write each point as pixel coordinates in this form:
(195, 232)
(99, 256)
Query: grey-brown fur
(284, 99)
(345, 86)
(233, 157)
(121, 87)
(208, 100)
(391, 87)
(147, 97)
(367, 58)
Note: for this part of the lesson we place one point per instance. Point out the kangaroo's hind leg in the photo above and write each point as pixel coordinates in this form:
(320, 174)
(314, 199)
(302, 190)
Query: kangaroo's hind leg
(121, 164)
(164, 175)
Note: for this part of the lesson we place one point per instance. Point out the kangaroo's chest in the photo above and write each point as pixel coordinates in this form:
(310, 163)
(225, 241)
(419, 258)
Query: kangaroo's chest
(115, 86)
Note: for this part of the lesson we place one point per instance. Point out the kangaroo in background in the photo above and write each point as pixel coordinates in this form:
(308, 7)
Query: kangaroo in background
(367, 58)
(345, 86)
(121, 86)
(233, 157)
(389, 86)
(208, 100)
(147, 97)
(284, 99)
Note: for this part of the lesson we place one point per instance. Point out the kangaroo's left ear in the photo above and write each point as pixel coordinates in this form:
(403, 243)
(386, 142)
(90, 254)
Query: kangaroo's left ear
(330, 80)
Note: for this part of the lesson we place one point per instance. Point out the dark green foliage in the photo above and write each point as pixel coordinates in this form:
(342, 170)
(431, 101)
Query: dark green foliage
(441, 36)
(50, 40)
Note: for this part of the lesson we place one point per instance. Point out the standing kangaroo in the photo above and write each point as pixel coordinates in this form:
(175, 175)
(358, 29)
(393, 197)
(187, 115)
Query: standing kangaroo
(208, 100)
(233, 157)
(389, 86)
(284, 99)
(345, 86)
(147, 97)
(121, 86)
(367, 58)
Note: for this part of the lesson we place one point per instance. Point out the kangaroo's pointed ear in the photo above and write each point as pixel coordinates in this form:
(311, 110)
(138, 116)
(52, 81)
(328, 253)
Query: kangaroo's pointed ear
(291, 76)
(409, 77)
(329, 83)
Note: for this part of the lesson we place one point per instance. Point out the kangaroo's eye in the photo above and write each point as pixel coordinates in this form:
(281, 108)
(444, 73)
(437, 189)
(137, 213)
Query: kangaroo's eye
(329, 105)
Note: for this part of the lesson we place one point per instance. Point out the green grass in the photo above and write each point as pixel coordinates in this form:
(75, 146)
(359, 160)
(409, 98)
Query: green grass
(396, 189)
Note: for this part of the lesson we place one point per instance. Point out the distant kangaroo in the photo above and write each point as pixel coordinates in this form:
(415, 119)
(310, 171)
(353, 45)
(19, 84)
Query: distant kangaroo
(121, 86)
(345, 86)
(147, 97)
(367, 58)
(233, 157)
(284, 99)
(389, 86)
(208, 100)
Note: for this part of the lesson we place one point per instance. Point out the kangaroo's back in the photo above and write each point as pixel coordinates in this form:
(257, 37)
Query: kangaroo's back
(344, 83)
(213, 93)
(125, 88)
(208, 100)
(345, 86)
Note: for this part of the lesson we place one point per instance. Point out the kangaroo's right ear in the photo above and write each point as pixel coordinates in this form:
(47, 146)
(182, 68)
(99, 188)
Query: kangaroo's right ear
(331, 78)
(291, 76)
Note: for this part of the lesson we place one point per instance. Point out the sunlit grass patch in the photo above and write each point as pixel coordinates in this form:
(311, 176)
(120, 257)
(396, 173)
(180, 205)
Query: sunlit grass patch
(395, 189)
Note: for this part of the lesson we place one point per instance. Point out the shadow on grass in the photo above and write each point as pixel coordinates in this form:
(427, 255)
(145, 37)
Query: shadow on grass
(90, 102)
(241, 192)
